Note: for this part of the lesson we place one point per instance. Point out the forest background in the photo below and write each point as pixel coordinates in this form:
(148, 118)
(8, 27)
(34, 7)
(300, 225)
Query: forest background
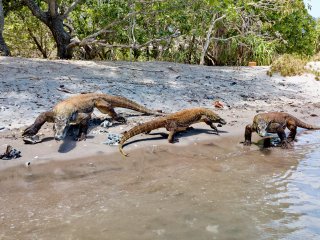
(205, 32)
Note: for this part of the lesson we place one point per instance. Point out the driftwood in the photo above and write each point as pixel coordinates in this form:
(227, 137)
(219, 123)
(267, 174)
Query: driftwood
(62, 89)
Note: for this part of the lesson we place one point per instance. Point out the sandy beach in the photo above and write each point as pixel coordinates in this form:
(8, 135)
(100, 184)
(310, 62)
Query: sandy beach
(30, 86)
(203, 187)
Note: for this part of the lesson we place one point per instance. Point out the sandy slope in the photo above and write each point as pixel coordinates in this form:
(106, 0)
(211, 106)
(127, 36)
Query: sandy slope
(29, 87)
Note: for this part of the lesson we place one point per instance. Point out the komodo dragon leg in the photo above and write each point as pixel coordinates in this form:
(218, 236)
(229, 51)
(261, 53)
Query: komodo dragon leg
(293, 131)
(83, 121)
(172, 128)
(248, 135)
(282, 135)
(40, 120)
(210, 123)
(106, 108)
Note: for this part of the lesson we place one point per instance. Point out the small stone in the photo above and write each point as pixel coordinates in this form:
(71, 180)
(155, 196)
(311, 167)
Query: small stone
(244, 95)
(27, 164)
(106, 124)
(113, 139)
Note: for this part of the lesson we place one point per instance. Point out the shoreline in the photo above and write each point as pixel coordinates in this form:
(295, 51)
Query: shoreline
(93, 148)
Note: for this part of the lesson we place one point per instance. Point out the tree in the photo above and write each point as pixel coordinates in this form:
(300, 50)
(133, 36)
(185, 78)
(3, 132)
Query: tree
(53, 17)
(241, 20)
(4, 50)
(56, 17)
(126, 25)
(27, 36)
(296, 31)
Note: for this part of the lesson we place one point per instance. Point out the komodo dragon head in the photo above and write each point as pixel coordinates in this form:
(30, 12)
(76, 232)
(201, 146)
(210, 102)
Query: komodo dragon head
(63, 118)
(263, 127)
(214, 117)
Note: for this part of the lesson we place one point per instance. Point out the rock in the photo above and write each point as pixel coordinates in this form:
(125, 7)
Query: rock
(244, 95)
(27, 164)
(208, 97)
(10, 153)
(106, 124)
(102, 131)
(113, 139)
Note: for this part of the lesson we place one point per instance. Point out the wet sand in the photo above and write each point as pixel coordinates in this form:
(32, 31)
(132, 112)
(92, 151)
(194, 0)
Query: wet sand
(207, 190)
(50, 149)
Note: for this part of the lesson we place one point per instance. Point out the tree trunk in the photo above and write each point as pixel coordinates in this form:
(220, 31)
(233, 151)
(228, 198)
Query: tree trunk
(4, 50)
(205, 48)
(190, 49)
(61, 37)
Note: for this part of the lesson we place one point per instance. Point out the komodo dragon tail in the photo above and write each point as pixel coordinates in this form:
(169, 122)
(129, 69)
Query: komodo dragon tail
(126, 103)
(144, 127)
(301, 124)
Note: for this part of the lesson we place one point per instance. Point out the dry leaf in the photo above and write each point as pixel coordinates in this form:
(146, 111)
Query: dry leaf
(218, 104)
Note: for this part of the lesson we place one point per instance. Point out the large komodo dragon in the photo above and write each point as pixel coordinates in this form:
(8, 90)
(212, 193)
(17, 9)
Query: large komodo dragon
(275, 122)
(78, 110)
(176, 122)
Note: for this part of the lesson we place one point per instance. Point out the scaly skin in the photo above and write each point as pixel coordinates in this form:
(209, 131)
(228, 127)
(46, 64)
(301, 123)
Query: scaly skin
(275, 122)
(176, 122)
(78, 109)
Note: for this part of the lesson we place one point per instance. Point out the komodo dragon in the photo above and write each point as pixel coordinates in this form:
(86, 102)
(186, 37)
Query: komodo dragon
(78, 110)
(275, 122)
(176, 122)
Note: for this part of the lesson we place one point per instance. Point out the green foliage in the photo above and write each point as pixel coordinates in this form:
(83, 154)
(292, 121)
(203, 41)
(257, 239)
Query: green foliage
(289, 65)
(190, 18)
(21, 32)
(298, 32)
(264, 52)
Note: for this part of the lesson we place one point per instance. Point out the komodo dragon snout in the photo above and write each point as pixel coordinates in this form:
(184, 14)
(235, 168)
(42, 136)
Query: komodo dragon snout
(60, 128)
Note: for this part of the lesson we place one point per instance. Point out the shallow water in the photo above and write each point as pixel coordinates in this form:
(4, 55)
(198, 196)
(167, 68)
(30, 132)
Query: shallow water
(208, 190)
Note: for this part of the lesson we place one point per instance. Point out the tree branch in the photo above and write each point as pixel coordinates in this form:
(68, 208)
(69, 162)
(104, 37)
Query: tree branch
(225, 40)
(52, 6)
(12, 7)
(213, 21)
(36, 11)
(70, 8)
(101, 43)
